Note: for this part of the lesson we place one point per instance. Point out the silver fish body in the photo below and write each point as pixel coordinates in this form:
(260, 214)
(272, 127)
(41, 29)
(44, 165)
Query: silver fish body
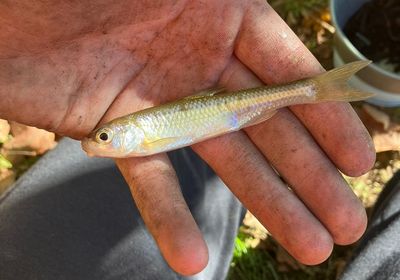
(213, 113)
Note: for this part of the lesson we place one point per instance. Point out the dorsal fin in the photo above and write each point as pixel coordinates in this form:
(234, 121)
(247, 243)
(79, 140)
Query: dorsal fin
(207, 92)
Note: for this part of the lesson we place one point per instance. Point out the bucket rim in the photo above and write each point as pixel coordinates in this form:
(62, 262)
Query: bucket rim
(352, 48)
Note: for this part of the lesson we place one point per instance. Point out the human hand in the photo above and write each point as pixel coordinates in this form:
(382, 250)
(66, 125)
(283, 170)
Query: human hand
(68, 67)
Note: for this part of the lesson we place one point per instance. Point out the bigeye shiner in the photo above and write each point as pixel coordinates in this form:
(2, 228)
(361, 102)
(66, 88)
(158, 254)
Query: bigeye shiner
(214, 112)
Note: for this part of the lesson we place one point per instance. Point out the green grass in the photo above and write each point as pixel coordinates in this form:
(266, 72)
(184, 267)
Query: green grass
(294, 10)
(269, 261)
(251, 263)
(4, 163)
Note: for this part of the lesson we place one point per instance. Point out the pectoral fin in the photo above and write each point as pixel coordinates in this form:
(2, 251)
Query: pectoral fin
(162, 142)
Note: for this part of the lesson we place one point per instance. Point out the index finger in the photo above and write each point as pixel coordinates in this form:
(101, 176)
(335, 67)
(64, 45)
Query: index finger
(272, 51)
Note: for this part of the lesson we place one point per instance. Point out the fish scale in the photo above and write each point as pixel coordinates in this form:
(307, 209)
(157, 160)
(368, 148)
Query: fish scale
(194, 117)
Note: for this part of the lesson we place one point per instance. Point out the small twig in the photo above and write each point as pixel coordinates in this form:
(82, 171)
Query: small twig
(22, 153)
(325, 25)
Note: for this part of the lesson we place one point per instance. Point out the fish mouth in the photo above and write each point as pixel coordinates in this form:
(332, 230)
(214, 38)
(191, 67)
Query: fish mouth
(94, 149)
(85, 144)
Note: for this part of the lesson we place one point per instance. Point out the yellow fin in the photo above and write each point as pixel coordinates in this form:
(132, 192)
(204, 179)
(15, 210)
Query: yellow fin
(161, 142)
(207, 92)
(333, 86)
(261, 118)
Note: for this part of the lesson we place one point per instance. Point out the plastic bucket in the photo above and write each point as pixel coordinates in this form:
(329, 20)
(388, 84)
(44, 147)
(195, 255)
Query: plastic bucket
(383, 83)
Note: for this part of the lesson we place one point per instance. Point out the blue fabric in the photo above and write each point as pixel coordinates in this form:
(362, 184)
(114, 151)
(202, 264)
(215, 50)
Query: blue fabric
(72, 217)
(378, 254)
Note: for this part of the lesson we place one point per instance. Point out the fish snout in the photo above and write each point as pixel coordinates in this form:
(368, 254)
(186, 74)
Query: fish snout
(85, 144)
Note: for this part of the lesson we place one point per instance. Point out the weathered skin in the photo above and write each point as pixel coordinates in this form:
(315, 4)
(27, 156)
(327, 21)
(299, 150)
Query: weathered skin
(68, 66)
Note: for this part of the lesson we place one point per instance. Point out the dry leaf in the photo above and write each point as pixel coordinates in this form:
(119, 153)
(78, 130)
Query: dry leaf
(4, 130)
(28, 139)
(378, 116)
(385, 133)
(7, 177)
(255, 228)
(389, 141)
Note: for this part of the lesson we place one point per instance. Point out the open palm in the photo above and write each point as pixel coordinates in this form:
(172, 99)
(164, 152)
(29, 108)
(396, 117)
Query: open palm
(67, 67)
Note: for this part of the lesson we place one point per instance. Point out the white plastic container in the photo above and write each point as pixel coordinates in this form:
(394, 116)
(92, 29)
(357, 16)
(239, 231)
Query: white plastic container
(383, 83)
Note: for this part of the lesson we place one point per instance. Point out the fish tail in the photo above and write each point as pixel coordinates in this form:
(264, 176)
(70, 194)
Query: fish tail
(333, 85)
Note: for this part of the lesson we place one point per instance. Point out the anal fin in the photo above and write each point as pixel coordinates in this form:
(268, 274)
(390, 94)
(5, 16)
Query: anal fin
(261, 118)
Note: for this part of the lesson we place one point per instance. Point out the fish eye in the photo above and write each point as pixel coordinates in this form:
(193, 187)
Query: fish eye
(104, 135)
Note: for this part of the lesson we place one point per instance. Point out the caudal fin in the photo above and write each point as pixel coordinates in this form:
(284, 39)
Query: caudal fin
(333, 85)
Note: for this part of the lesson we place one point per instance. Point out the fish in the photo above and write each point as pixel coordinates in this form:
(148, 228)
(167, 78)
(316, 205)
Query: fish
(214, 112)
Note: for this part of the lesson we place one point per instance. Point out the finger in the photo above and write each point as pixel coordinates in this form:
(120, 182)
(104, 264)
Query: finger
(157, 195)
(249, 176)
(294, 154)
(344, 139)
(247, 173)
(313, 177)
(155, 189)
(272, 51)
